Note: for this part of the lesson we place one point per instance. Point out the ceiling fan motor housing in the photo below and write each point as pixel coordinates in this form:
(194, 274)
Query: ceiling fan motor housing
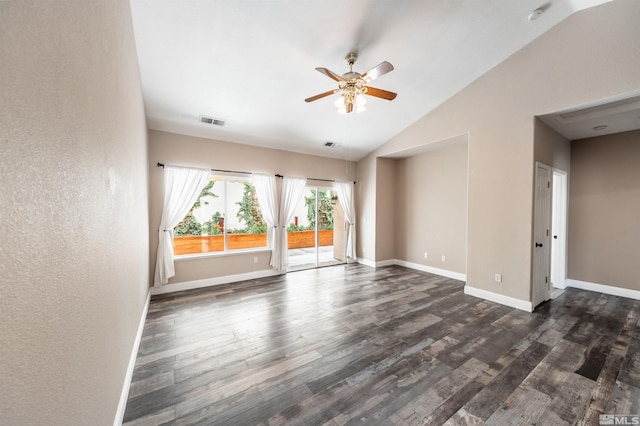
(351, 58)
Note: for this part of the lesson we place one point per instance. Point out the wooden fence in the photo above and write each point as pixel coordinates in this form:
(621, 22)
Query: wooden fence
(213, 243)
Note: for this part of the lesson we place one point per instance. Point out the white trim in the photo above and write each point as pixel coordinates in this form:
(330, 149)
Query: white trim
(215, 254)
(124, 394)
(559, 222)
(190, 285)
(432, 270)
(424, 268)
(366, 262)
(601, 288)
(523, 305)
(561, 285)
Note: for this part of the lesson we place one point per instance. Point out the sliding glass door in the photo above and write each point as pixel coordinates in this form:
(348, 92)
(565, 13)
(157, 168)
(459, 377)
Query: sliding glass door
(316, 232)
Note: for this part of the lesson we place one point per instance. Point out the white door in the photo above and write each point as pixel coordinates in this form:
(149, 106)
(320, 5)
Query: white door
(541, 235)
(559, 229)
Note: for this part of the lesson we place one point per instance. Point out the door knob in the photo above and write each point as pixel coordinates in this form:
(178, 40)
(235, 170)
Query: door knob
(538, 245)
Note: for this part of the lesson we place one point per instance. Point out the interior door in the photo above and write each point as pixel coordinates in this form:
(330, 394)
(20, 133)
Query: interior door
(541, 235)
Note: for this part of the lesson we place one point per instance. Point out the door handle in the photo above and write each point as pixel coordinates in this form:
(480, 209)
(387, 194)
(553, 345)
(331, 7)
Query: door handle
(538, 245)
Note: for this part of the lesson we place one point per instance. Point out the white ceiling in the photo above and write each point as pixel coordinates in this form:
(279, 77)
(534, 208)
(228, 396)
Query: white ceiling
(251, 63)
(602, 117)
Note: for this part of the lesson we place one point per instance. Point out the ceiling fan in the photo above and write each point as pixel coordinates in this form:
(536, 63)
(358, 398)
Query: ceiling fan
(352, 85)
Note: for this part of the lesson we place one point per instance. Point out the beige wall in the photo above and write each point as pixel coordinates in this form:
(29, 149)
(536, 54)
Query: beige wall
(73, 210)
(604, 210)
(551, 148)
(365, 199)
(432, 208)
(386, 191)
(182, 150)
(591, 55)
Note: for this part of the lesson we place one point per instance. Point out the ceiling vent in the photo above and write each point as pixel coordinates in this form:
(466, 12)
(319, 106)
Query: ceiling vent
(210, 120)
(332, 144)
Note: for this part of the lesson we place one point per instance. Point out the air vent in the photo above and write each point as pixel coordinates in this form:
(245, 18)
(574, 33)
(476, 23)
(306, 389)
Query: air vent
(332, 144)
(211, 120)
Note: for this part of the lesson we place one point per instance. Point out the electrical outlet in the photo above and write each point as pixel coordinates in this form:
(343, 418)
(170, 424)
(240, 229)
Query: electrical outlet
(255, 259)
(498, 278)
(426, 255)
(444, 259)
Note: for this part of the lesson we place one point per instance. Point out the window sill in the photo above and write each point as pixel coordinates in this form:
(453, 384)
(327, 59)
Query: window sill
(221, 254)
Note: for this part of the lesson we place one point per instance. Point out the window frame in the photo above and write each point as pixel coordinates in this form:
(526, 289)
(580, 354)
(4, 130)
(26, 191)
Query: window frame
(225, 235)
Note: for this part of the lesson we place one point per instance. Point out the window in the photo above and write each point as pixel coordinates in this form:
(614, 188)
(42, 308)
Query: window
(225, 217)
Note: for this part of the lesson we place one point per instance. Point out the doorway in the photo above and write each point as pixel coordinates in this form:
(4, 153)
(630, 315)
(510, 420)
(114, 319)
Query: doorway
(559, 230)
(316, 232)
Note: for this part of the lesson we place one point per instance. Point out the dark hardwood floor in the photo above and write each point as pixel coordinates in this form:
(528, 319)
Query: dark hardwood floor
(356, 345)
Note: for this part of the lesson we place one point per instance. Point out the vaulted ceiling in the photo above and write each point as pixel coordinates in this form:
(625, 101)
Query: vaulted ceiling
(251, 63)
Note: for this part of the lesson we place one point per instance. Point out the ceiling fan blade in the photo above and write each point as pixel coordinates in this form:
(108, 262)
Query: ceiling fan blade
(329, 74)
(377, 71)
(379, 93)
(321, 95)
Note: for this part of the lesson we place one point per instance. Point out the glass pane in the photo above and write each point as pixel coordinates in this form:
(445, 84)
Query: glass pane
(301, 233)
(201, 229)
(244, 223)
(325, 226)
(311, 233)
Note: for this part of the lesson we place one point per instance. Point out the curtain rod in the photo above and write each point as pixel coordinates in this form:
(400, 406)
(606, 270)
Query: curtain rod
(249, 173)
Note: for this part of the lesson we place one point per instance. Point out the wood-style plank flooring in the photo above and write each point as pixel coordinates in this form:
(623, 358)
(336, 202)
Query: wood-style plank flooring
(356, 345)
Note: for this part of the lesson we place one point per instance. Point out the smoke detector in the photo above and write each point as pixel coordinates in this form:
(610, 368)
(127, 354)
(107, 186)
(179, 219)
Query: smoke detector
(535, 14)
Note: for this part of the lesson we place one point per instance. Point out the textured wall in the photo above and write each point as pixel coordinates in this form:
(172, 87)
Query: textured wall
(73, 206)
(604, 207)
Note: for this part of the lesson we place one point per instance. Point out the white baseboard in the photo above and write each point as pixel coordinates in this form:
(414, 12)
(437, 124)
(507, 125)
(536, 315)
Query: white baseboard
(124, 394)
(367, 262)
(419, 267)
(208, 282)
(383, 263)
(430, 269)
(523, 305)
(601, 288)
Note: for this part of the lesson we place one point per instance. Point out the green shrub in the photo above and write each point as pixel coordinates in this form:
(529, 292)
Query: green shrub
(189, 226)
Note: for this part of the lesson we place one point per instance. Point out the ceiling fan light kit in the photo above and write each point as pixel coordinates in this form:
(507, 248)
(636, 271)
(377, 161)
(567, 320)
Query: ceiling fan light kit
(352, 86)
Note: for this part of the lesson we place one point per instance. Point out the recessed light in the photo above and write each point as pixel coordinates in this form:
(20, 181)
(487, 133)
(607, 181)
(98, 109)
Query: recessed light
(601, 127)
(535, 14)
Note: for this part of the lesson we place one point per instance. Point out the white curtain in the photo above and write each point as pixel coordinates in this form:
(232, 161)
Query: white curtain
(182, 186)
(345, 195)
(292, 192)
(267, 194)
